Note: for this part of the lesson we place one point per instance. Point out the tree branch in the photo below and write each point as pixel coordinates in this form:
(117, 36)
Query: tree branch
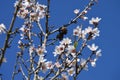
(8, 33)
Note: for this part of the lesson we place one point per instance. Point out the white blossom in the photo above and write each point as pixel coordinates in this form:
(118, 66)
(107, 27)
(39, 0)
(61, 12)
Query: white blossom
(22, 28)
(2, 28)
(77, 31)
(93, 62)
(92, 47)
(71, 50)
(94, 20)
(85, 18)
(30, 10)
(88, 29)
(76, 11)
(66, 41)
(59, 49)
(22, 13)
(49, 65)
(40, 51)
(95, 32)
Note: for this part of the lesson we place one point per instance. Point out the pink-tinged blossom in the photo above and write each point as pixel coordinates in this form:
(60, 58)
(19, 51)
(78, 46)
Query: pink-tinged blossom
(92, 47)
(30, 10)
(22, 13)
(2, 28)
(40, 7)
(76, 11)
(46, 65)
(65, 41)
(71, 50)
(43, 67)
(94, 21)
(71, 71)
(59, 49)
(34, 16)
(58, 65)
(40, 51)
(77, 31)
(49, 65)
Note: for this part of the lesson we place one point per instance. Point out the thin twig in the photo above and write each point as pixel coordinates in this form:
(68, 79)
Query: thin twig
(39, 25)
(47, 16)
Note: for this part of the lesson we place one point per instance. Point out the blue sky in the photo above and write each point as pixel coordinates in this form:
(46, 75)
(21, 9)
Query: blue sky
(61, 12)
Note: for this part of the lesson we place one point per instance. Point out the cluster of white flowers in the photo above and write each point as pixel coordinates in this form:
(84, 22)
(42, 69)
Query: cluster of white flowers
(40, 50)
(83, 33)
(30, 10)
(44, 64)
(79, 32)
(95, 51)
(2, 28)
(67, 49)
(65, 45)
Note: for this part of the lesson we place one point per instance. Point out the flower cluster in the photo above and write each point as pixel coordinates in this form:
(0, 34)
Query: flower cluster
(69, 51)
(40, 50)
(89, 32)
(65, 47)
(44, 64)
(95, 51)
(31, 10)
(92, 33)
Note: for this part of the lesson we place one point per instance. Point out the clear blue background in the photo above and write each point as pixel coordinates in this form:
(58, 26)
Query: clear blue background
(108, 66)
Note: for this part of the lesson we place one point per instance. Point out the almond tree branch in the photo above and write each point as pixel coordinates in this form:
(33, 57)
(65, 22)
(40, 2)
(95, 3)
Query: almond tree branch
(8, 33)
(73, 21)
